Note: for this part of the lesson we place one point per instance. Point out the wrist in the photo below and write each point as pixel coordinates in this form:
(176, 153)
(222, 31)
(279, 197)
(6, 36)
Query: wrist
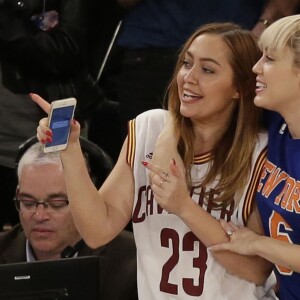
(258, 245)
(73, 147)
(188, 209)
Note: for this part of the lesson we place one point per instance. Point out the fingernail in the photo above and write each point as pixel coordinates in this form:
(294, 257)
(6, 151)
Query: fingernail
(49, 133)
(144, 163)
(74, 121)
(43, 141)
(174, 162)
(49, 140)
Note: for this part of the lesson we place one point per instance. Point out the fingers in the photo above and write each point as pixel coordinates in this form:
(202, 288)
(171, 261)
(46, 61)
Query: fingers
(176, 170)
(156, 170)
(162, 181)
(226, 225)
(234, 227)
(153, 168)
(159, 181)
(220, 247)
(74, 131)
(229, 227)
(44, 133)
(161, 172)
(157, 175)
(42, 103)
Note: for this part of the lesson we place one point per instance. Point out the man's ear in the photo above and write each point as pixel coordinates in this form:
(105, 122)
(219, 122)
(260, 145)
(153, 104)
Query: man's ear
(17, 191)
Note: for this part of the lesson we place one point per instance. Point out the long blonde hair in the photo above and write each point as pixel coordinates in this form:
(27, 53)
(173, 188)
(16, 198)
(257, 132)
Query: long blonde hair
(232, 160)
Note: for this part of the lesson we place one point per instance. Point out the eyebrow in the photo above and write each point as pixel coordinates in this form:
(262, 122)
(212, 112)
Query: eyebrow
(203, 59)
(49, 197)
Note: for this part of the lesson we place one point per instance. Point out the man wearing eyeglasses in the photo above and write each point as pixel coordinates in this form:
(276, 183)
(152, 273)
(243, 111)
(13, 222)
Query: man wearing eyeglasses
(47, 230)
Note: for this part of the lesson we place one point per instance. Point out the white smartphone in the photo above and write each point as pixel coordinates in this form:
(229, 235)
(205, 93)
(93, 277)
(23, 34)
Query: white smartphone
(61, 113)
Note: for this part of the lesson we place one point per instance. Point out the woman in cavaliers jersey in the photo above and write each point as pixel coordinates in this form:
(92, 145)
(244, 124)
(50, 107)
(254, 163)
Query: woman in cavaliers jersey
(211, 97)
(278, 193)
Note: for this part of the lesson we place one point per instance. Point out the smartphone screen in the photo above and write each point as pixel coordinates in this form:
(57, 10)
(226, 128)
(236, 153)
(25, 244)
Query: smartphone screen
(60, 125)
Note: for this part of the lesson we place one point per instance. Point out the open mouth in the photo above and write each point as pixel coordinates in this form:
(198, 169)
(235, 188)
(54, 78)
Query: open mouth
(261, 85)
(191, 97)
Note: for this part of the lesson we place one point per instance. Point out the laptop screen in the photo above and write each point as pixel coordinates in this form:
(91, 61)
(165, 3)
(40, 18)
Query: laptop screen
(66, 279)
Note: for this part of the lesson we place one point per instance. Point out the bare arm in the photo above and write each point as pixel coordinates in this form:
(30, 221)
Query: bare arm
(281, 253)
(166, 148)
(209, 231)
(99, 215)
(247, 242)
(274, 10)
(173, 196)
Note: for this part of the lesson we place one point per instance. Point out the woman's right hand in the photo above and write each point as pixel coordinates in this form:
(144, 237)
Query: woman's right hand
(44, 132)
(170, 188)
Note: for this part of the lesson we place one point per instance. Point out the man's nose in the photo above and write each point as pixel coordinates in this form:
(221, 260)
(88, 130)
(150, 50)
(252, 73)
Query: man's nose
(41, 211)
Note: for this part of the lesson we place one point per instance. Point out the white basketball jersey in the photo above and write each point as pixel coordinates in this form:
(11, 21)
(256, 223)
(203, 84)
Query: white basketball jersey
(172, 262)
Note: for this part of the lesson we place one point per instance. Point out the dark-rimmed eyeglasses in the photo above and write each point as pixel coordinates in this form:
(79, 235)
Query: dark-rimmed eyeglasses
(30, 206)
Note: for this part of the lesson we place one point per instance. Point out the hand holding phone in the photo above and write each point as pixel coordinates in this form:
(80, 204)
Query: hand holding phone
(61, 113)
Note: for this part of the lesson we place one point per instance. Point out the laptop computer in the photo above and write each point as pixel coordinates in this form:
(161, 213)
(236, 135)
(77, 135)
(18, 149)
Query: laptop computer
(65, 279)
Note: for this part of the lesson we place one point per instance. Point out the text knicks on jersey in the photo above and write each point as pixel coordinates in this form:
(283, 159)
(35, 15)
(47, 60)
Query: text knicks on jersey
(279, 199)
(287, 189)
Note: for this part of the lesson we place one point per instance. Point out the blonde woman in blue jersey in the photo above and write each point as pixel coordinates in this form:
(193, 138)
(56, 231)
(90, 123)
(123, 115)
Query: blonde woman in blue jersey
(211, 100)
(278, 192)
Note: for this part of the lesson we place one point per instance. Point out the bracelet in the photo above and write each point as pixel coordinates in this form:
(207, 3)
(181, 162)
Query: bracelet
(266, 22)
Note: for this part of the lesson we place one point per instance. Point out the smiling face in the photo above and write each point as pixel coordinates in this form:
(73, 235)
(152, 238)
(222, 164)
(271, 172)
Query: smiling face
(205, 81)
(278, 82)
(49, 233)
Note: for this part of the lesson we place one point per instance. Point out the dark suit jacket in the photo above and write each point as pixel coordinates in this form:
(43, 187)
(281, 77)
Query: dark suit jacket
(117, 261)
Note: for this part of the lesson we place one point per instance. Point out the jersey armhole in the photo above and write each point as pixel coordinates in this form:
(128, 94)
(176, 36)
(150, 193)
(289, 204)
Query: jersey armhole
(131, 145)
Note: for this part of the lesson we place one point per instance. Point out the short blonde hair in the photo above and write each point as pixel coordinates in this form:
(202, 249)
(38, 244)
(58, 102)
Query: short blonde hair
(285, 32)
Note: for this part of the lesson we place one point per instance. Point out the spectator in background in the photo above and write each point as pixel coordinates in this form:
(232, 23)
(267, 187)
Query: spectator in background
(47, 230)
(44, 48)
(107, 16)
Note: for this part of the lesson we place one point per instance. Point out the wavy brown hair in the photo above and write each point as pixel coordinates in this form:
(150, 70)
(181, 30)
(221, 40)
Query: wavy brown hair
(232, 154)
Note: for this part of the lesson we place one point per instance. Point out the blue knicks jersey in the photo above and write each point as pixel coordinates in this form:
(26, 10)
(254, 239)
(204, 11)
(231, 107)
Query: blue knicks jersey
(278, 197)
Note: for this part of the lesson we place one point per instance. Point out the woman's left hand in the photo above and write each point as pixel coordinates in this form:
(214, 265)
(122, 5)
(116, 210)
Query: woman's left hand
(241, 239)
(170, 189)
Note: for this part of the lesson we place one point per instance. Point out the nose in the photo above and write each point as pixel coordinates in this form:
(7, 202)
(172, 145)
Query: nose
(40, 212)
(257, 68)
(190, 76)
